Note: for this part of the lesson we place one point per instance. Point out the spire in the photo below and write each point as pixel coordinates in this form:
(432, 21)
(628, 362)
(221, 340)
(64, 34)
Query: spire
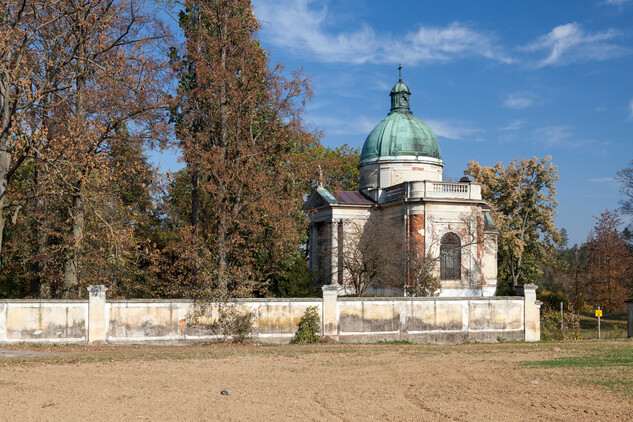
(321, 179)
(400, 95)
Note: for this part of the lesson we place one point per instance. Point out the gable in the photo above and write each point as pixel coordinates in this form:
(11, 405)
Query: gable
(320, 197)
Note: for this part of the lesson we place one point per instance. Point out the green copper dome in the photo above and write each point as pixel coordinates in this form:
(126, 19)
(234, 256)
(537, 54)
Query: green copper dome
(400, 135)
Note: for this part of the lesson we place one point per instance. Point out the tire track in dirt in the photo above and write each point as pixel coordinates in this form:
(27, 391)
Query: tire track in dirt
(327, 409)
(417, 402)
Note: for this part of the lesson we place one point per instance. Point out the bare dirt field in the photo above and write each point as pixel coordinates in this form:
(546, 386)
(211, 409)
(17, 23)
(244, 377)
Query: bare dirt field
(392, 382)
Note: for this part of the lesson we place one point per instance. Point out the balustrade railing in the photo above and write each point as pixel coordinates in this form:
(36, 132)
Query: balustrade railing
(447, 187)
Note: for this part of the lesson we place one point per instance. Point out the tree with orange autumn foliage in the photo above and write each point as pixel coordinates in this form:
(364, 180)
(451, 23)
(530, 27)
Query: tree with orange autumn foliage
(118, 85)
(240, 130)
(36, 49)
(609, 263)
(93, 92)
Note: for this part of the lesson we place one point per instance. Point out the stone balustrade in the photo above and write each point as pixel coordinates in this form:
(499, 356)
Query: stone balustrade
(433, 190)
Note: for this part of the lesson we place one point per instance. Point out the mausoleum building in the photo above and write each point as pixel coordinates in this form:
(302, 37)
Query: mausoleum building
(401, 181)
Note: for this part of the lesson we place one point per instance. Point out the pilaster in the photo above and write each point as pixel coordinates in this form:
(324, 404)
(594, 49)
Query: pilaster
(330, 310)
(532, 309)
(97, 321)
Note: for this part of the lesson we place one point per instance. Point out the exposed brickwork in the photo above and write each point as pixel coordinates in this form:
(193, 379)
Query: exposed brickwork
(416, 228)
(416, 236)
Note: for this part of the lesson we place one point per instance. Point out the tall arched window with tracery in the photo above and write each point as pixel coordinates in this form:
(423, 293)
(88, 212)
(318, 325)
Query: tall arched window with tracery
(450, 257)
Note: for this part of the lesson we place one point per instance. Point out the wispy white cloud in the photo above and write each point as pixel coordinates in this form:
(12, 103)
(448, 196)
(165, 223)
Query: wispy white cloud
(631, 109)
(359, 125)
(302, 26)
(453, 129)
(602, 179)
(570, 43)
(559, 136)
(599, 109)
(615, 2)
(442, 44)
(516, 125)
(518, 100)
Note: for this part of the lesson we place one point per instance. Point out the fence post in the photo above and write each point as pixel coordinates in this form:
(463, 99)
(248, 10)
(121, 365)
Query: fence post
(629, 319)
(330, 311)
(97, 324)
(532, 308)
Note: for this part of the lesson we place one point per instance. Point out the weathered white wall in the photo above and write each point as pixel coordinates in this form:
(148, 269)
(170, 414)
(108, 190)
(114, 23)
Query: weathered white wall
(431, 320)
(434, 320)
(274, 320)
(63, 321)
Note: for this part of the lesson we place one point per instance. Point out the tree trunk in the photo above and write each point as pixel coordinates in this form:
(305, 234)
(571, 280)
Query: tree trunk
(5, 164)
(71, 267)
(195, 211)
(35, 268)
(222, 223)
(195, 199)
(222, 253)
(516, 272)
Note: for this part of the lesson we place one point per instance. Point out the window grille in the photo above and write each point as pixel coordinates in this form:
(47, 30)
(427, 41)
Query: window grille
(450, 257)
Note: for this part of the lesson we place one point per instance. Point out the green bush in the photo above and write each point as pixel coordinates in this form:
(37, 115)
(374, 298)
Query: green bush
(236, 324)
(551, 322)
(309, 327)
(552, 300)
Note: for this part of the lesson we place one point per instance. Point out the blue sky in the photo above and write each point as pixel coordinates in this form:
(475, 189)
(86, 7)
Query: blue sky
(494, 80)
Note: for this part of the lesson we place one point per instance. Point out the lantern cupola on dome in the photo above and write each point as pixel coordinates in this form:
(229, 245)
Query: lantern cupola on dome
(401, 143)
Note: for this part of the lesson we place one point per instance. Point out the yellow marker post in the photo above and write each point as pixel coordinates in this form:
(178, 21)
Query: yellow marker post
(598, 314)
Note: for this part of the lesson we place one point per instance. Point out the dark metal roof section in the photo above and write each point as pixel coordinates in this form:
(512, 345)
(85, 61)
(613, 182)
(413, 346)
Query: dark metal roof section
(352, 198)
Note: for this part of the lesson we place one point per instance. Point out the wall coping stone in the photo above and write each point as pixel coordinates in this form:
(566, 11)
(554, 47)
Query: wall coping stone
(57, 301)
(425, 299)
(237, 300)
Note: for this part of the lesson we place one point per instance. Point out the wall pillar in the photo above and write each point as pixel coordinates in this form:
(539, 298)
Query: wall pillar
(330, 311)
(629, 319)
(532, 309)
(3, 321)
(97, 323)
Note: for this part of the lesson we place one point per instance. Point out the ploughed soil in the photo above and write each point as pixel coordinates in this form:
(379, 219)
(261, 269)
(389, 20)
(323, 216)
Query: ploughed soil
(338, 382)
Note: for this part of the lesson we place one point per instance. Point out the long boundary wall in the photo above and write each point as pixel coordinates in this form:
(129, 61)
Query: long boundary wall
(429, 320)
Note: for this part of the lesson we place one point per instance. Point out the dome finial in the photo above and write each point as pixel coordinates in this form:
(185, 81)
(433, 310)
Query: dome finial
(400, 73)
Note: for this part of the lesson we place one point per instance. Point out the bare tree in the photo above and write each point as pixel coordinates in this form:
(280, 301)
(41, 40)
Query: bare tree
(472, 249)
(370, 253)
(421, 272)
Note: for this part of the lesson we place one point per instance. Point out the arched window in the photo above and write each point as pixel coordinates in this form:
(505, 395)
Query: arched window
(450, 257)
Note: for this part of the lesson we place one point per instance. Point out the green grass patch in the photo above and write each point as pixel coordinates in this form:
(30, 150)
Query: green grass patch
(610, 366)
(612, 326)
(406, 341)
(596, 359)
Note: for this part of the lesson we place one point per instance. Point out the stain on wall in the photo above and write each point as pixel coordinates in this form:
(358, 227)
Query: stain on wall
(46, 320)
